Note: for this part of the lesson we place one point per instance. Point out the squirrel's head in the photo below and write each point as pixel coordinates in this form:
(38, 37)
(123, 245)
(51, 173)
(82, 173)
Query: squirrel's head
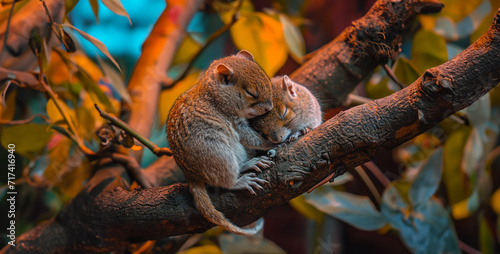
(240, 78)
(279, 123)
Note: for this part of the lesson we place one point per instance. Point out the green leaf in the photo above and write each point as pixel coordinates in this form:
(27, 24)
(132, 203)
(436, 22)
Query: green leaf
(55, 114)
(97, 43)
(378, 86)
(486, 239)
(293, 38)
(428, 50)
(355, 210)
(236, 244)
(116, 6)
(262, 36)
(97, 95)
(29, 139)
(405, 71)
(427, 180)
(300, 204)
(453, 177)
(205, 249)
(70, 4)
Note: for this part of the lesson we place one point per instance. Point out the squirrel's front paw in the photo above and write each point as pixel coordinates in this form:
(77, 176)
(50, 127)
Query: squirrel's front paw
(294, 136)
(257, 164)
(250, 182)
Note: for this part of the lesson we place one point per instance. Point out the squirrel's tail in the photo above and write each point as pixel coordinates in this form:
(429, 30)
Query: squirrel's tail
(207, 209)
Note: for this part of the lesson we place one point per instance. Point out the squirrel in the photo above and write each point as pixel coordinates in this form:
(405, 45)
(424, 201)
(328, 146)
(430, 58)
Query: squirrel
(296, 111)
(207, 126)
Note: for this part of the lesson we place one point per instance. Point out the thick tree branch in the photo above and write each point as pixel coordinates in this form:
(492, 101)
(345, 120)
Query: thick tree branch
(359, 49)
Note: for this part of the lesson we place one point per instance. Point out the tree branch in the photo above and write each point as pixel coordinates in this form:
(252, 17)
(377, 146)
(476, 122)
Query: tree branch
(359, 49)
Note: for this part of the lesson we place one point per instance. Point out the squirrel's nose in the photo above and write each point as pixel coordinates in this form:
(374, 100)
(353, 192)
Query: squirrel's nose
(268, 106)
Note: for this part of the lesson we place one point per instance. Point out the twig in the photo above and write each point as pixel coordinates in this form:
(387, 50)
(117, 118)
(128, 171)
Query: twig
(158, 151)
(27, 120)
(377, 173)
(393, 76)
(467, 249)
(366, 179)
(210, 40)
(23, 78)
(326, 179)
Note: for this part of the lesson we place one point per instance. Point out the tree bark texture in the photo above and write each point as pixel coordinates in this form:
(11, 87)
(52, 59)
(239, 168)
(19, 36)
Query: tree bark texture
(102, 220)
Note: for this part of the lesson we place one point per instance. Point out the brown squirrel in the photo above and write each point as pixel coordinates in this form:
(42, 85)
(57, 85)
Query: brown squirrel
(208, 124)
(296, 111)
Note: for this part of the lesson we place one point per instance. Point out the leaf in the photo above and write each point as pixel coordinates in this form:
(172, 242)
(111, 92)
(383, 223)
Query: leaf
(236, 244)
(8, 107)
(480, 111)
(208, 249)
(486, 238)
(70, 4)
(98, 44)
(358, 211)
(116, 6)
(187, 50)
(495, 201)
(486, 22)
(55, 114)
(68, 42)
(95, 9)
(405, 71)
(96, 93)
(262, 36)
(428, 50)
(30, 139)
(116, 79)
(428, 179)
(428, 227)
(453, 177)
(293, 38)
(300, 204)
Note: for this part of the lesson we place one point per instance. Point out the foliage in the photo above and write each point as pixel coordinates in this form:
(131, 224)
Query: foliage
(445, 173)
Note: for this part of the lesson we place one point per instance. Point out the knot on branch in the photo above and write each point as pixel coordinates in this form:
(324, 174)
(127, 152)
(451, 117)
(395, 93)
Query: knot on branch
(435, 94)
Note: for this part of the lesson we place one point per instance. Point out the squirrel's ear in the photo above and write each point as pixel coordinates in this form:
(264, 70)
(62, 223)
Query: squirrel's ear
(223, 73)
(289, 86)
(245, 54)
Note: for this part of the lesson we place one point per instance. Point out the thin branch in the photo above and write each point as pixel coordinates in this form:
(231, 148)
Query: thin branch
(24, 121)
(369, 184)
(391, 74)
(370, 166)
(158, 151)
(170, 83)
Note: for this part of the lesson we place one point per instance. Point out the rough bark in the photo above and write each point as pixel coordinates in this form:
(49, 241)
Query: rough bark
(101, 220)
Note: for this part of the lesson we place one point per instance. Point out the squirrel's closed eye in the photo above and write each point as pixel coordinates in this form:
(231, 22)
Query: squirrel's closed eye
(250, 94)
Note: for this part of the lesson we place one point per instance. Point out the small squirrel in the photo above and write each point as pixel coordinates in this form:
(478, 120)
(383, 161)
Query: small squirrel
(207, 126)
(296, 111)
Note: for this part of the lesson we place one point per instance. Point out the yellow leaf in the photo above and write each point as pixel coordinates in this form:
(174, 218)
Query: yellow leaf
(189, 47)
(168, 96)
(299, 203)
(7, 112)
(55, 115)
(460, 210)
(495, 201)
(226, 10)
(263, 37)
(206, 249)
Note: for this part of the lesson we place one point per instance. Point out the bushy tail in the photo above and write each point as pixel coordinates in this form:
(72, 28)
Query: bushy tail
(207, 209)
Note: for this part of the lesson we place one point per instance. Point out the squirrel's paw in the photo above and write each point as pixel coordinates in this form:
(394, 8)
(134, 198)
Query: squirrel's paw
(250, 182)
(294, 136)
(257, 164)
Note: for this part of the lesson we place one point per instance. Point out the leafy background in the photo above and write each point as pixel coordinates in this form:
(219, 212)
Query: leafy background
(437, 193)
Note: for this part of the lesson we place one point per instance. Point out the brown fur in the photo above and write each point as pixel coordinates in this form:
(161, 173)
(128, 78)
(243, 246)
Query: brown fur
(303, 112)
(205, 126)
